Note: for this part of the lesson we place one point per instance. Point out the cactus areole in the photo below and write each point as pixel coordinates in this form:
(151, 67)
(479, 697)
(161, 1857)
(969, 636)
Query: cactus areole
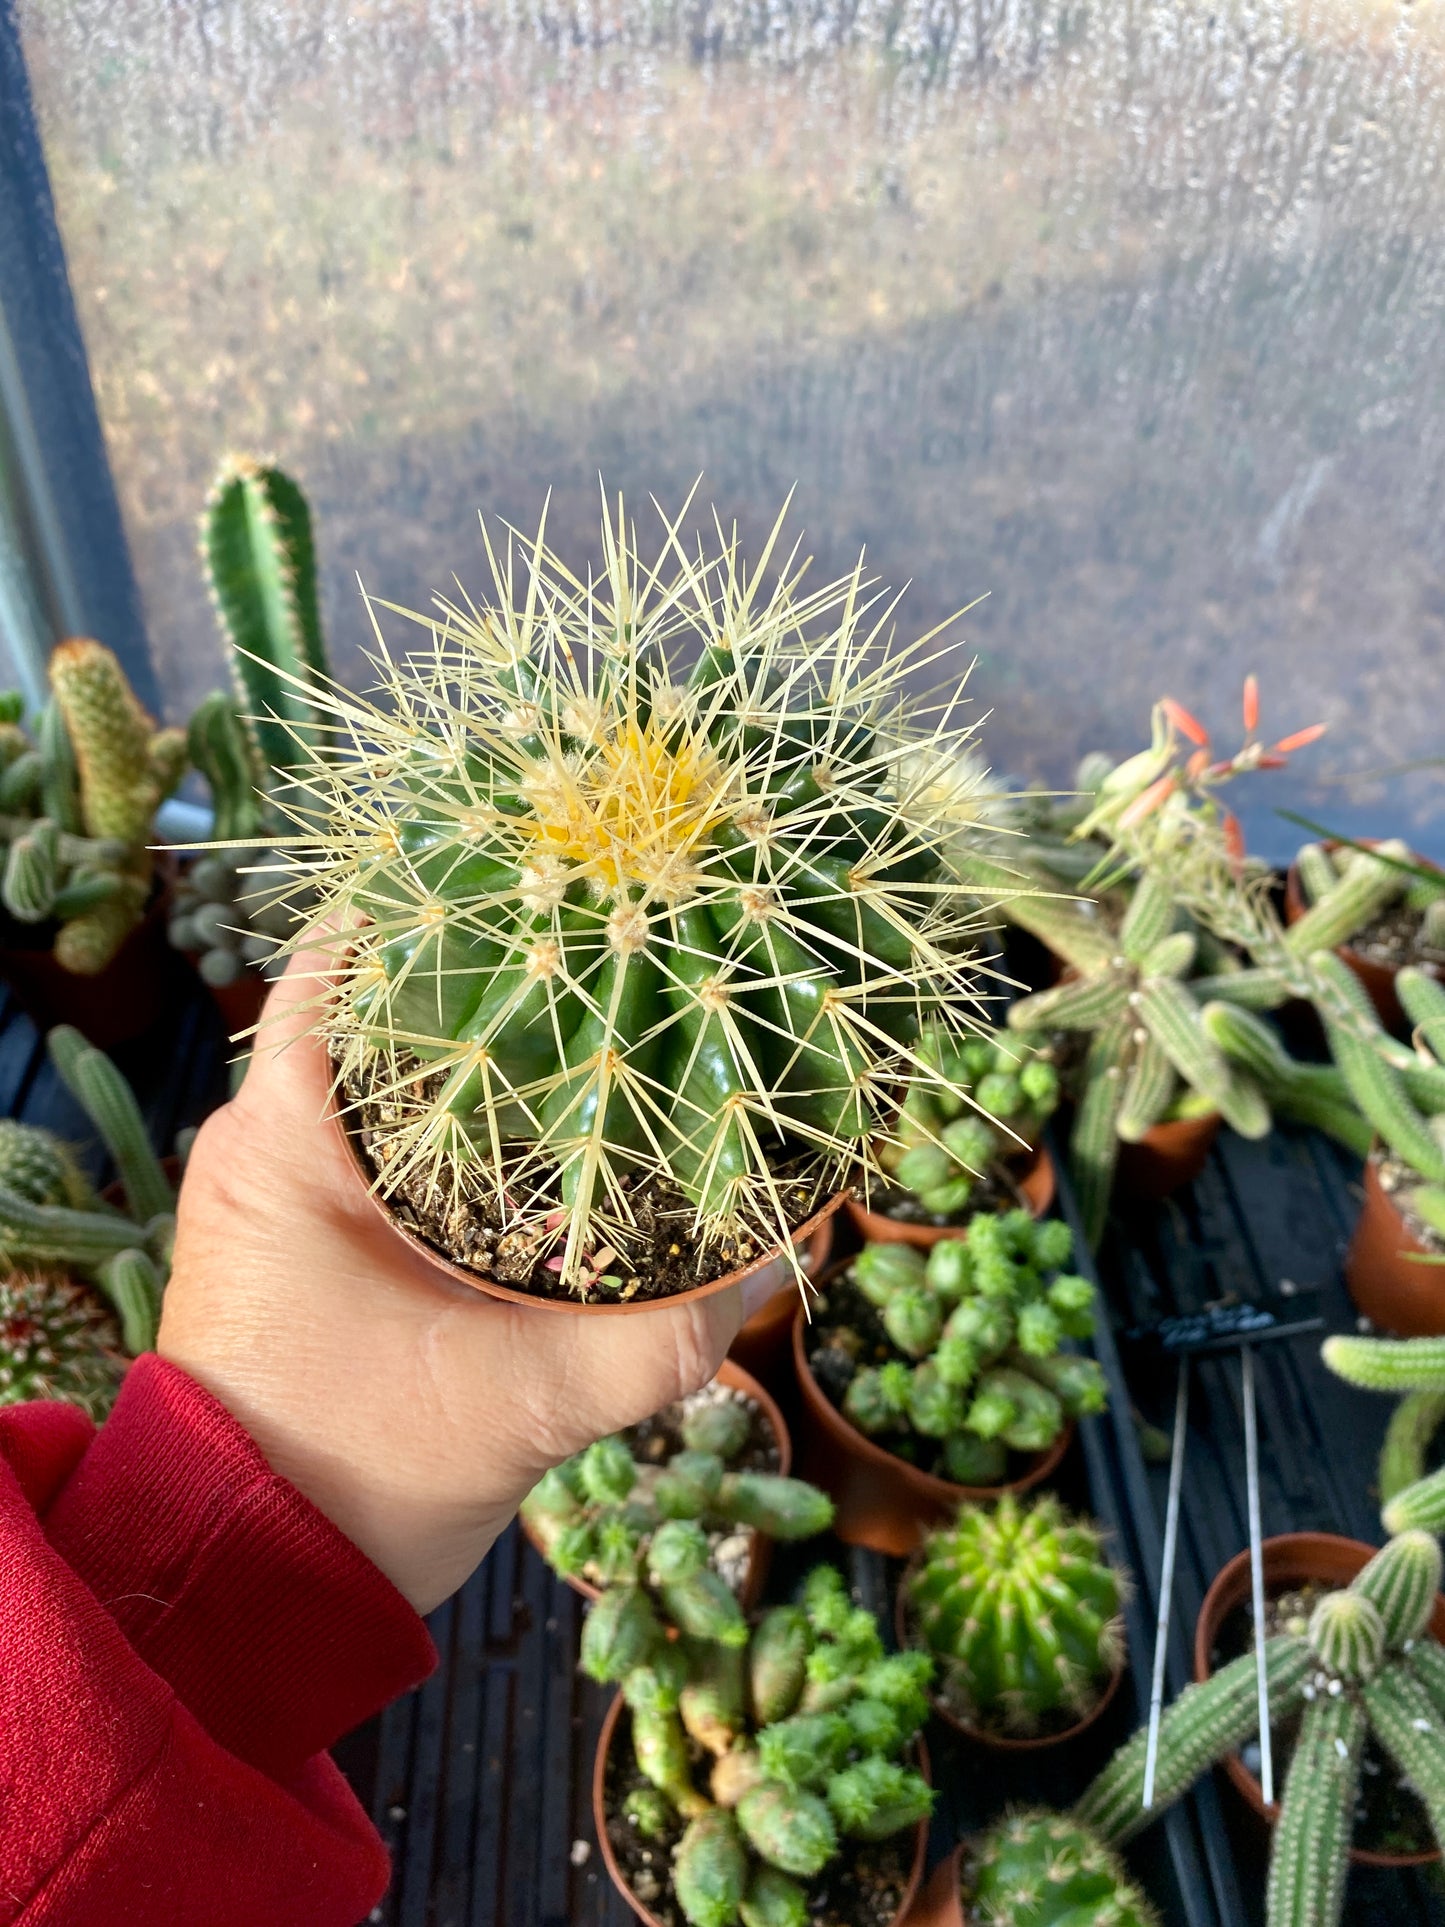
(639, 910)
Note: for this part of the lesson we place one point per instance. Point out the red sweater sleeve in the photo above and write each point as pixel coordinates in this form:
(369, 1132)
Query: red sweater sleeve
(182, 1635)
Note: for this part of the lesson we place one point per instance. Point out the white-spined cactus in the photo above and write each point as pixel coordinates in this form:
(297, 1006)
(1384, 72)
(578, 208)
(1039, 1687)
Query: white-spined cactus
(635, 881)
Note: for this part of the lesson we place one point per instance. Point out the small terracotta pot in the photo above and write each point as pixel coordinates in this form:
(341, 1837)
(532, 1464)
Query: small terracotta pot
(1395, 1290)
(137, 988)
(1034, 1182)
(1378, 978)
(1167, 1156)
(907, 1638)
(940, 1904)
(737, 1380)
(882, 1501)
(569, 1307)
(761, 1346)
(1290, 1560)
(599, 1821)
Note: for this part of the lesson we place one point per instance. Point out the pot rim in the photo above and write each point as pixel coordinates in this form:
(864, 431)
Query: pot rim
(940, 1491)
(737, 1379)
(983, 1735)
(877, 1228)
(569, 1307)
(599, 1822)
(1295, 1555)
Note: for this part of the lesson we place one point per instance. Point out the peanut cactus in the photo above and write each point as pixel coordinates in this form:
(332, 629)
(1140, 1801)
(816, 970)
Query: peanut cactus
(976, 1328)
(643, 927)
(57, 1340)
(1021, 1609)
(790, 1785)
(1414, 1499)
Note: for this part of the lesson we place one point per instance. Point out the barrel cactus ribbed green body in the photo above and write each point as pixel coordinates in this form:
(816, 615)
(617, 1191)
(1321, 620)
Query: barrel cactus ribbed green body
(1021, 1608)
(636, 892)
(1044, 1870)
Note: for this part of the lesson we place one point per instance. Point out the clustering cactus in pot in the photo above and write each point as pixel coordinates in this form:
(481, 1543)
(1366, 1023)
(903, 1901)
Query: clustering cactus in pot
(772, 1758)
(994, 1096)
(51, 1220)
(1412, 1498)
(77, 807)
(1367, 1665)
(57, 1340)
(1020, 1607)
(260, 559)
(1347, 889)
(642, 917)
(976, 1329)
(677, 1525)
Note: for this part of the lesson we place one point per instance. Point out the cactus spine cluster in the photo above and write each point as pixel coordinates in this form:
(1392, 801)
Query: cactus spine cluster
(51, 1220)
(976, 1329)
(1367, 1665)
(1414, 1500)
(800, 1730)
(57, 1340)
(1021, 1609)
(663, 1527)
(994, 1096)
(638, 923)
(76, 809)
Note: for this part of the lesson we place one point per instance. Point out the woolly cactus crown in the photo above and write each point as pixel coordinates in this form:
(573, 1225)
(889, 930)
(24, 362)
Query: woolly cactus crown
(637, 878)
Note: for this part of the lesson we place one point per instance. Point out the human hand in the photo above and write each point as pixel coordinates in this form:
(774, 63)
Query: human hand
(415, 1412)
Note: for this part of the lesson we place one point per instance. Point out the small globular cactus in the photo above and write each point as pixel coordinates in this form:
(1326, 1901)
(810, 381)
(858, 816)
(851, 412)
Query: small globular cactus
(57, 1340)
(1021, 1607)
(1040, 1869)
(976, 1328)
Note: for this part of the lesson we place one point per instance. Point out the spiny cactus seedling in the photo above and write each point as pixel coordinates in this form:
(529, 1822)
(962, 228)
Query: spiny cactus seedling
(1039, 1869)
(623, 935)
(1413, 1498)
(947, 1141)
(50, 1218)
(676, 1524)
(800, 1737)
(1021, 1608)
(975, 1328)
(57, 1340)
(76, 809)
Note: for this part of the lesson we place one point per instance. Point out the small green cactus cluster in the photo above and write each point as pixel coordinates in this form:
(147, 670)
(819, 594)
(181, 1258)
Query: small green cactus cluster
(976, 1327)
(1366, 1665)
(1413, 1498)
(260, 560)
(646, 872)
(57, 1340)
(1346, 888)
(77, 807)
(50, 1219)
(676, 1527)
(800, 1732)
(1021, 1608)
(993, 1097)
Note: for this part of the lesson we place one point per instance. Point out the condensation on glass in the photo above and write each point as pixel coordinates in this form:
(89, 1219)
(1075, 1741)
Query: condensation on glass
(1125, 315)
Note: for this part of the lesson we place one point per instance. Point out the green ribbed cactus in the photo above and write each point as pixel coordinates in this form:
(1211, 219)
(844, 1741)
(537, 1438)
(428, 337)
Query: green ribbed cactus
(1021, 1609)
(976, 1327)
(613, 1520)
(1040, 1869)
(994, 1096)
(1345, 895)
(1315, 1094)
(1414, 1367)
(648, 927)
(57, 1340)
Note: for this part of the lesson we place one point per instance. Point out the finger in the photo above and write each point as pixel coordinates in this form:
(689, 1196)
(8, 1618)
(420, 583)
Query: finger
(287, 1054)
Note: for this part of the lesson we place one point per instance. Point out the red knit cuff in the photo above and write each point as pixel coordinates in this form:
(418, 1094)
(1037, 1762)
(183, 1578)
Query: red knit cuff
(268, 1623)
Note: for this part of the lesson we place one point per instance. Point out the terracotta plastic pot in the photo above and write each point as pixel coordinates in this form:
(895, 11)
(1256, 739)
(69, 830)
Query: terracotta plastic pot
(940, 1904)
(1378, 978)
(761, 1346)
(1035, 1184)
(737, 1380)
(570, 1307)
(882, 1501)
(1291, 1560)
(1167, 1156)
(1392, 1287)
(599, 1822)
(983, 1736)
(138, 987)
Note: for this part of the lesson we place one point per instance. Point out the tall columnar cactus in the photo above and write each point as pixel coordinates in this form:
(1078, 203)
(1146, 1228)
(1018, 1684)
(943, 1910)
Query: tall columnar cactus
(1021, 1608)
(1415, 1368)
(643, 924)
(976, 1329)
(808, 1756)
(57, 1340)
(51, 1220)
